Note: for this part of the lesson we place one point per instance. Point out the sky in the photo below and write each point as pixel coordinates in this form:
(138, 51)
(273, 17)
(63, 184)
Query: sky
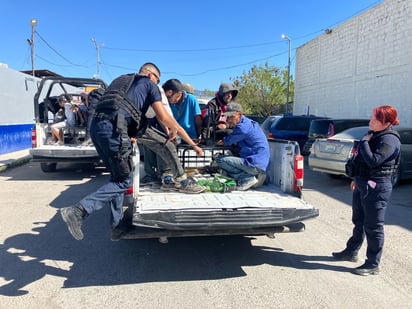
(203, 43)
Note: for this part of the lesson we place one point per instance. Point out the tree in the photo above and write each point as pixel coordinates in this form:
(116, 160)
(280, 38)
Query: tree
(263, 89)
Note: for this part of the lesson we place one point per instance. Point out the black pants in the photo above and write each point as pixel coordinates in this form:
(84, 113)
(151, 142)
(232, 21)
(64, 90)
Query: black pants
(368, 216)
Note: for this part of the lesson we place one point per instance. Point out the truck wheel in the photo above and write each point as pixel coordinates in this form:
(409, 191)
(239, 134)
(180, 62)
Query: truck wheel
(88, 167)
(48, 167)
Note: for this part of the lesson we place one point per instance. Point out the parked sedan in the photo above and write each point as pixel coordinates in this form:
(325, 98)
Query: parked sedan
(330, 155)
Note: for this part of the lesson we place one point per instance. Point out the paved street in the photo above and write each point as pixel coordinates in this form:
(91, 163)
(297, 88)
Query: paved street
(41, 266)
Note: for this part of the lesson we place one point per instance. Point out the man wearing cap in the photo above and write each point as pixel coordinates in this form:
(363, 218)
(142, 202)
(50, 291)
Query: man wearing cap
(249, 169)
(214, 124)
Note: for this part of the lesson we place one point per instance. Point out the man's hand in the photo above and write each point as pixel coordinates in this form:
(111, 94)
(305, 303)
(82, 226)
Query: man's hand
(172, 134)
(220, 143)
(199, 150)
(221, 126)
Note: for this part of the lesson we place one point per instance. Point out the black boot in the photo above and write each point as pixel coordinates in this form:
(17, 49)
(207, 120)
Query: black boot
(74, 216)
(366, 270)
(346, 255)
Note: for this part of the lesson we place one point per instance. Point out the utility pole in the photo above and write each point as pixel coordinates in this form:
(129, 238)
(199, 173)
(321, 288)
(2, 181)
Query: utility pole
(97, 56)
(285, 37)
(33, 23)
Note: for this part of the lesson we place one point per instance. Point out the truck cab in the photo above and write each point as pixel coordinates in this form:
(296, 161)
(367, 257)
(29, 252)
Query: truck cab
(75, 147)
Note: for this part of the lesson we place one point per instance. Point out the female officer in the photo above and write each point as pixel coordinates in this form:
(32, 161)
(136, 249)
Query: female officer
(375, 163)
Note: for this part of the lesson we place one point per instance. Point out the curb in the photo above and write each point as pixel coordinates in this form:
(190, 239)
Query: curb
(15, 162)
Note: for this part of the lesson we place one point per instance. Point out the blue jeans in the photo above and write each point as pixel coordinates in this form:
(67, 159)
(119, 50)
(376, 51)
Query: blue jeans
(236, 168)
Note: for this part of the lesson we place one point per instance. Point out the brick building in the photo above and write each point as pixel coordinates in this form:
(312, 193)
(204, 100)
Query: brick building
(364, 62)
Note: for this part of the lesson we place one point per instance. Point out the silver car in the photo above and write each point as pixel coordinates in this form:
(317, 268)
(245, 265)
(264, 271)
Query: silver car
(330, 155)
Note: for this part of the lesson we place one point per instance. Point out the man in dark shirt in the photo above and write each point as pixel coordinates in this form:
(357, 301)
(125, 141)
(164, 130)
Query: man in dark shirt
(113, 143)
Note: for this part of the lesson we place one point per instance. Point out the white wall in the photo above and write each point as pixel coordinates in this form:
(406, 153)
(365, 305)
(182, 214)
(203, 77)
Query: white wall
(16, 96)
(365, 62)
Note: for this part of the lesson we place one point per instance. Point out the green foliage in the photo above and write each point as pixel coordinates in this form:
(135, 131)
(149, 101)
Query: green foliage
(263, 90)
(209, 93)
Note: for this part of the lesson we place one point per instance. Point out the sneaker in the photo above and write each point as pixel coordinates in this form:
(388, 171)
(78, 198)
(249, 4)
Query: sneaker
(73, 216)
(247, 184)
(345, 255)
(366, 270)
(261, 177)
(189, 186)
(58, 143)
(148, 181)
(169, 185)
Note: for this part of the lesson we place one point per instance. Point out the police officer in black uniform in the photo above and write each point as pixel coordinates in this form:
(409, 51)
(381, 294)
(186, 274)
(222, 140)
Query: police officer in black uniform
(119, 117)
(375, 163)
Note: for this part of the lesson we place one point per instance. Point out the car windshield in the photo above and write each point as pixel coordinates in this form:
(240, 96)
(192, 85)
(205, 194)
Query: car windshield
(353, 133)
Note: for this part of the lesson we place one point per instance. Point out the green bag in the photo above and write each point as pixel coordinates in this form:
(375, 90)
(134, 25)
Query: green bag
(219, 183)
(222, 183)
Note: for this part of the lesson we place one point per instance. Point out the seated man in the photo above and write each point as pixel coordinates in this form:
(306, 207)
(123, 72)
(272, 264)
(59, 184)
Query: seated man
(185, 108)
(69, 121)
(214, 123)
(249, 170)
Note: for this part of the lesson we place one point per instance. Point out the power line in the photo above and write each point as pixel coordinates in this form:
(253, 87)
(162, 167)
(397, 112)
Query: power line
(194, 51)
(191, 50)
(58, 53)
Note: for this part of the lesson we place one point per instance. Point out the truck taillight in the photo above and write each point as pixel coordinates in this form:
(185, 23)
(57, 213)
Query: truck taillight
(270, 135)
(33, 138)
(129, 190)
(298, 171)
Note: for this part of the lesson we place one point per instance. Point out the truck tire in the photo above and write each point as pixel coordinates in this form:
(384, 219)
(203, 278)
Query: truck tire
(48, 167)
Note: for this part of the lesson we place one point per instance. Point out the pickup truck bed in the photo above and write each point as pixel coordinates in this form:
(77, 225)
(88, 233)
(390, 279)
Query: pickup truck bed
(266, 206)
(271, 208)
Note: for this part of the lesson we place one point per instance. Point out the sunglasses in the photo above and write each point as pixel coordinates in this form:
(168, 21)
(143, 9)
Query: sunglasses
(157, 77)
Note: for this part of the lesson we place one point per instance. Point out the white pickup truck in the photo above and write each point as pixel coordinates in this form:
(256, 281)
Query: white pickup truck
(273, 208)
(151, 212)
(45, 109)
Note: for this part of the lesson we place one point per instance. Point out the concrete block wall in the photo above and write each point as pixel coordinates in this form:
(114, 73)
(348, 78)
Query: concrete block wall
(362, 63)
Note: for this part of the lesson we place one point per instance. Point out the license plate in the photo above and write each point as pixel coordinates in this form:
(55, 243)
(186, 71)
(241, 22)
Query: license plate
(328, 148)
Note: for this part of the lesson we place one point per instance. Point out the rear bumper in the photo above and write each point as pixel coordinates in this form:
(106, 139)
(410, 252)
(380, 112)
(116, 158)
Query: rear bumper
(142, 232)
(50, 154)
(214, 220)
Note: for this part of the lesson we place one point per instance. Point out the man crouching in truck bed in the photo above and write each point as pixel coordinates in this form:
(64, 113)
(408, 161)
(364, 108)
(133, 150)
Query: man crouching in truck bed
(249, 170)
